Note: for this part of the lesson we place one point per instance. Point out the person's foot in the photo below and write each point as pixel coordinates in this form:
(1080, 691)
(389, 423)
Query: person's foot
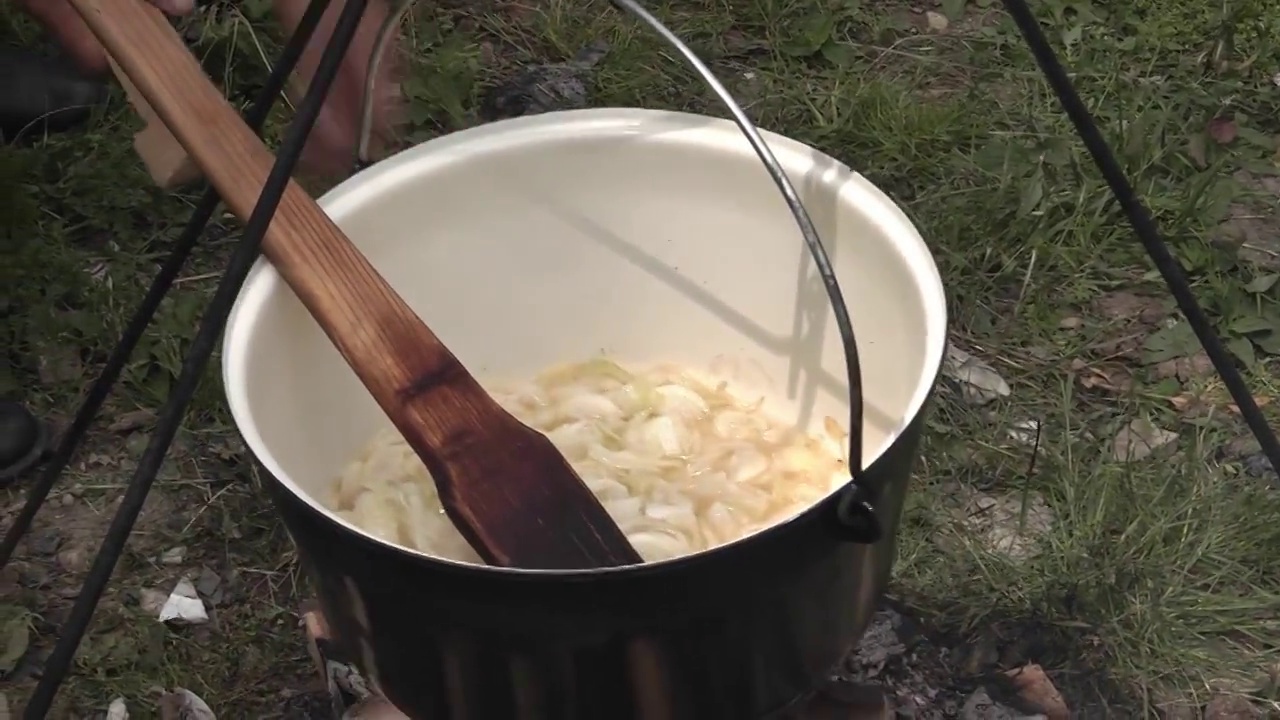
(40, 95)
(23, 441)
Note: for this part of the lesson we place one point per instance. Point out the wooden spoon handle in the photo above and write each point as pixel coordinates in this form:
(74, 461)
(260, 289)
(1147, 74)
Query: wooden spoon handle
(379, 335)
(506, 487)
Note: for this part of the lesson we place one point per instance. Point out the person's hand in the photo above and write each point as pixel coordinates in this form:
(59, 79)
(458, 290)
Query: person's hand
(330, 150)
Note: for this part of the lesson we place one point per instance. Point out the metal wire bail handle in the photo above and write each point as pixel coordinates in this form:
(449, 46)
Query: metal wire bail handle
(855, 509)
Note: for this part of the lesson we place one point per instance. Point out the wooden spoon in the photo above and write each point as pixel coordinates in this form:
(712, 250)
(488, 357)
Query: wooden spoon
(504, 485)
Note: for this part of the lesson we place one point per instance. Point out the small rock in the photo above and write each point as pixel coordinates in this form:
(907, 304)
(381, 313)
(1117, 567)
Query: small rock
(1246, 451)
(1231, 707)
(937, 21)
(1071, 323)
(173, 556)
(1239, 447)
(137, 444)
(117, 710)
(979, 382)
(208, 582)
(1257, 465)
(545, 88)
(1139, 439)
(182, 704)
(73, 560)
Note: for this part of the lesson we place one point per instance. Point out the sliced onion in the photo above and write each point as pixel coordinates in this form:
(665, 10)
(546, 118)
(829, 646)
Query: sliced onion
(624, 509)
(655, 546)
(681, 402)
(681, 465)
(574, 439)
(606, 488)
(584, 406)
(747, 464)
(664, 437)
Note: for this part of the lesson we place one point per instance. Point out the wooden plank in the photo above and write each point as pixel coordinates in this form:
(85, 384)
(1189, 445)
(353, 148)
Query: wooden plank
(166, 161)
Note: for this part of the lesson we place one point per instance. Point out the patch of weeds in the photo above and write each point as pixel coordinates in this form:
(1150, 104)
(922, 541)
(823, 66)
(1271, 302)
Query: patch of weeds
(443, 78)
(1153, 571)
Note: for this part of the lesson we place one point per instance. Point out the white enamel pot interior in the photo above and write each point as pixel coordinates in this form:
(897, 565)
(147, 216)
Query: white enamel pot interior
(644, 236)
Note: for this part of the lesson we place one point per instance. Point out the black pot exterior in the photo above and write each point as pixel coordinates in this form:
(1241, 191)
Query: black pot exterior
(737, 633)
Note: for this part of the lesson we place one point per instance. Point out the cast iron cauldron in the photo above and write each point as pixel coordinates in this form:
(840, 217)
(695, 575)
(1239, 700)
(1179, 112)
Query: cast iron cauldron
(650, 237)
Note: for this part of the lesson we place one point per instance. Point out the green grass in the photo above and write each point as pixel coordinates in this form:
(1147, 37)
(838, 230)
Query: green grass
(1158, 575)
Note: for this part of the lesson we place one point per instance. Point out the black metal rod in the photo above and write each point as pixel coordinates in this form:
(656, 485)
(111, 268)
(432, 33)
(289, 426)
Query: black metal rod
(1144, 227)
(197, 359)
(88, 411)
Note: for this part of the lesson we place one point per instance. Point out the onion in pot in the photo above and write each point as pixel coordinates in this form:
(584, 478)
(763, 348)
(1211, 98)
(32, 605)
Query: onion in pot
(680, 464)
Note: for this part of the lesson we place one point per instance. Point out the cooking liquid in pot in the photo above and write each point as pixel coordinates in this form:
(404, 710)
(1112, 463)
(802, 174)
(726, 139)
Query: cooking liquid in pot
(681, 464)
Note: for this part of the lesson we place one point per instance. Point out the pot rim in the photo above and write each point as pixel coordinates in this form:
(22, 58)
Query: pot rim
(522, 131)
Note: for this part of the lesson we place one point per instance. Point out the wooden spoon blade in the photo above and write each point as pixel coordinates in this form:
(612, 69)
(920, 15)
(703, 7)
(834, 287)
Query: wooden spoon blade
(516, 499)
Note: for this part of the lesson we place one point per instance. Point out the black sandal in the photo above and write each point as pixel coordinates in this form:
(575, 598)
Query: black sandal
(41, 95)
(24, 441)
